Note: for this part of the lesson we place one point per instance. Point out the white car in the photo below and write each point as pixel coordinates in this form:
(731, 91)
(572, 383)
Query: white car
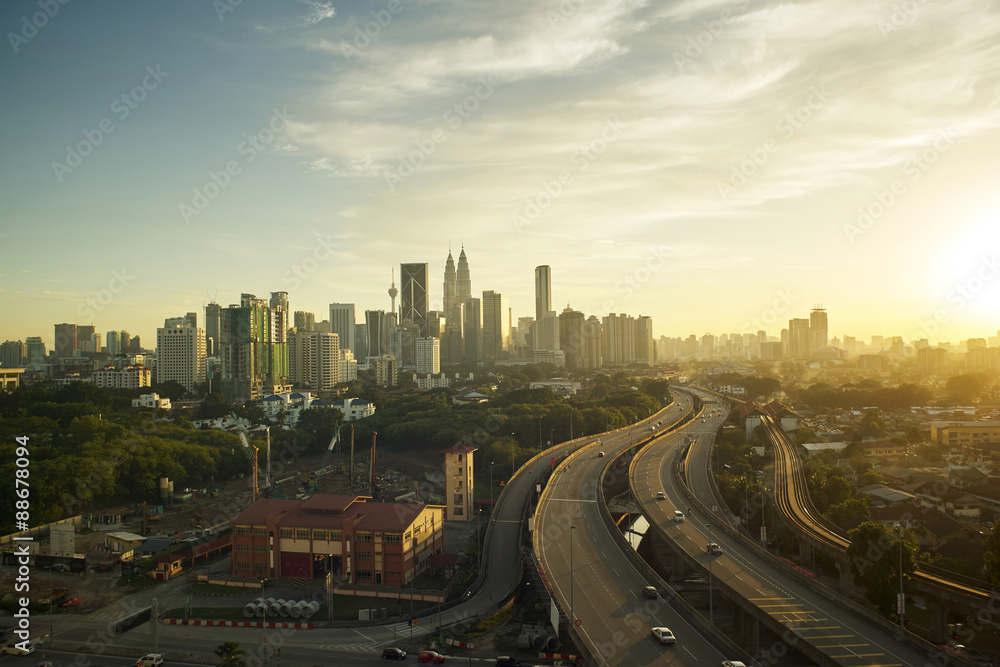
(150, 660)
(660, 495)
(678, 516)
(664, 635)
(733, 663)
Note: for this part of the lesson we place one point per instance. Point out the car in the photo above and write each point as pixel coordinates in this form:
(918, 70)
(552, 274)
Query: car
(650, 592)
(600, 455)
(702, 420)
(150, 660)
(393, 653)
(714, 549)
(664, 635)
(507, 661)
(12, 649)
(660, 495)
(430, 656)
(61, 567)
(733, 663)
(678, 516)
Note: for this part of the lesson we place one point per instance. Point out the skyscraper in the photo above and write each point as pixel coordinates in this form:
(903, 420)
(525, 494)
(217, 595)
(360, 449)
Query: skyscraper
(413, 305)
(571, 337)
(65, 335)
(496, 325)
(378, 335)
(13, 354)
(213, 315)
(450, 287)
(618, 339)
(85, 337)
(180, 355)
(543, 291)
(253, 348)
(463, 285)
(304, 321)
(798, 337)
(818, 329)
(644, 338)
(342, 323)
(473, 329)
(428, 355)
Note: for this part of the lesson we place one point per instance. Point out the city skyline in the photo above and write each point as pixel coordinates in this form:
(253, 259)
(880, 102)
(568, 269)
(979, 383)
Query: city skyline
(696, 163)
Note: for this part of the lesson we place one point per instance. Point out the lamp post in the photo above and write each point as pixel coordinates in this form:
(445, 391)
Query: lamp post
(711, 608)
(901, 605)
(468, 595)
(572, 536)
(491, 489)
(540, 443)
(513, 444)
(551, 436)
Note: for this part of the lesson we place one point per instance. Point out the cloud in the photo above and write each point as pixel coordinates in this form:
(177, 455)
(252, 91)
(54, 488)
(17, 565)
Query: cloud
(318, 11)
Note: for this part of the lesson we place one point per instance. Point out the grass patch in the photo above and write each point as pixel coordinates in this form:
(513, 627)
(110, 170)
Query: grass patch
(201, 588)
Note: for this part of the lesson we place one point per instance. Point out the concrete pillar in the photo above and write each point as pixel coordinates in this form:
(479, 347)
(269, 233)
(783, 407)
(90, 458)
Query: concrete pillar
(938, 621)
(846, 578)
(746, 630)
(805, 553)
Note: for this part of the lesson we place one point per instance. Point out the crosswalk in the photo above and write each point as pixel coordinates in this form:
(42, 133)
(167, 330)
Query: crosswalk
(405, 629)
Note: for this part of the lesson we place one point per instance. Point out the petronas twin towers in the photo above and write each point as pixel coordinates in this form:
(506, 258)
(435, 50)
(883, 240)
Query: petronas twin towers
(457, 284)
(462, 312)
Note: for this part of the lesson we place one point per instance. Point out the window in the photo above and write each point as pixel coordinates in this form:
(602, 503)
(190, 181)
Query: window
(363, 536)
(260, 549)
(284, 532)
(407, 536)
(259, 567)
(302, 533)
(459, 511)
(241, 567)
(378, 537)
(458, 498)
(393, 538)
(242, 530)
(319, 534)
(363, 574)
(459, 458)
(364, 555)
(334, 535)
(416, 529)
(460, 484)
(242, 548)
(259, 531)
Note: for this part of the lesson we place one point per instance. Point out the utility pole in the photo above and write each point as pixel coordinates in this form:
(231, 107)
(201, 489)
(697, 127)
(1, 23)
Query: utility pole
(711, 608)
(572, 535)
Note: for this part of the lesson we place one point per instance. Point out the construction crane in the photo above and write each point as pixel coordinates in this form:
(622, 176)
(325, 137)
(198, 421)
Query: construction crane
(253, 464)
(253, 459)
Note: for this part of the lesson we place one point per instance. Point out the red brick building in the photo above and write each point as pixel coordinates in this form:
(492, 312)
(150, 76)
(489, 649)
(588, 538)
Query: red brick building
(359, 542)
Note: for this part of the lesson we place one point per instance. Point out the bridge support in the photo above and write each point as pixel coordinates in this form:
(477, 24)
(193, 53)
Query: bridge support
(846, 578)
(746, 630)
(805, 552)
(938, 622)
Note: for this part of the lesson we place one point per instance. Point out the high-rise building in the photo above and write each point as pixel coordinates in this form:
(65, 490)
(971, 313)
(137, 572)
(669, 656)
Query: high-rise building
(378, 335)
(279, 299)
(450, 287)
(644, 339)
(85, 337)
(342, 323)
(618, 339)
(304, 321)
(473, 329)
(592, 343)
(328, 360)
(798, 337)
(543, 291)
(113, 343)
(65, 335)
(463, 283)
(180, 355)
(361, 339)
(428, 355)
(385, 371)
(545, 333)
(932, 360)
(818, 329)
(253, 349)
(413, 303)
(13, 354)
(35, 351)
(213, 316)
(496, 326)
(571, 324)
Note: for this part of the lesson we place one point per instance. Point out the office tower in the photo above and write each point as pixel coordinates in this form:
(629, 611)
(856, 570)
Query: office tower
(13, 354)
(708, 346)
(545, 333)
(436, 324)
(798, 337)
(496, 326)
(973, 343)
(983, 359)
(413, 301)
(342, 323)
(878, 342)
(328, 357)
(571, 323)
(617, 340)
(323, 326)
(473, 329)
(463, 284)
(644, 339)
(113, 343)
(818, 329)
(403, 345)
(279, 299)
(253, 349)
(180, 355)
(450, 287)
(213, 315)
(385, 371)
(932, 360)
(35, 351)
(85, 336)
(134, 345)
(304, 321)
(592, 343)
(378, 335)
(361, 339)
(543, 291)
(770, 351)
(428, 355)
(348, 366)
(65, 335)
(302, 358)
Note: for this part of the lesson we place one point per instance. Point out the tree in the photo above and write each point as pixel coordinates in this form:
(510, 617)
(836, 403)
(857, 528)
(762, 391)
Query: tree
(991, 558)
(874, 553)
(230, 655)
(966, 388)
(848, 511)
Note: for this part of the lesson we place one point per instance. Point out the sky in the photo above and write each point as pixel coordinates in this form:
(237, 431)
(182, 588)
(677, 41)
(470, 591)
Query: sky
(716, 165)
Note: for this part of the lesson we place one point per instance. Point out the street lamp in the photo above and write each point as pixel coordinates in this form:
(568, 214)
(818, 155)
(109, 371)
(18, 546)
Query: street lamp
(711, 608)
(572, 535)
(551, 436)
(513, 444)
(901, 604)
(491, 488)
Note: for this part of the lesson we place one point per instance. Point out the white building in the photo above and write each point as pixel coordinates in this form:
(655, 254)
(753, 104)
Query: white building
(558, 386)
(151, 401)
(348, 366)
(180, 355)
(129, 377)
(355, 408)
(428, 355)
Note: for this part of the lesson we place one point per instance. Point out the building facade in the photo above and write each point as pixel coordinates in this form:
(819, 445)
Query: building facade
(180, 355)
(458, 483)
